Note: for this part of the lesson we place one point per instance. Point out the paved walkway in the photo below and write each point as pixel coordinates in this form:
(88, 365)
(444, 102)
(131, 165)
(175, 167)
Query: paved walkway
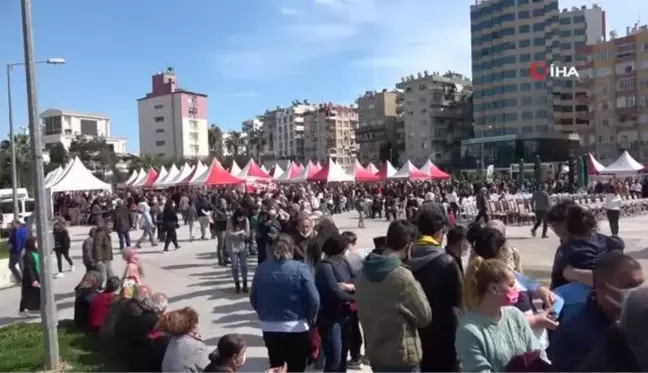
(190, 277)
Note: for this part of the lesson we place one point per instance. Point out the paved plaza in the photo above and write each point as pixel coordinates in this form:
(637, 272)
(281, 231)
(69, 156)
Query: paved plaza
(191, 277)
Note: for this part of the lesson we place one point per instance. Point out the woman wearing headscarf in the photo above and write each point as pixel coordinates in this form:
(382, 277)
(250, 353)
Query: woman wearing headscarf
(236, 237)
(170, 224)
(85, 292)
(30, 286)
(133, 272)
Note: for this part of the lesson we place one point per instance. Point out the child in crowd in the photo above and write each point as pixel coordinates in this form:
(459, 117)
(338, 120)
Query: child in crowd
(133, 273)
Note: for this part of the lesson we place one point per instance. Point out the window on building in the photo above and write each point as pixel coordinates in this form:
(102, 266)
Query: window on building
(89, 127)
(159, 130)
(160, 106)
(160, 143)
(52, 125)
(159, 119)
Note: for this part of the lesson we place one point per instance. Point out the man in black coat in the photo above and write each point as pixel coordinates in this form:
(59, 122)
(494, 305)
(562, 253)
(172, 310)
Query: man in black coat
(122, 223)
(441, 280)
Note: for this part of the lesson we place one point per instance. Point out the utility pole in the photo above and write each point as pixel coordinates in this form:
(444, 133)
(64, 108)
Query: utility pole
(48, 307)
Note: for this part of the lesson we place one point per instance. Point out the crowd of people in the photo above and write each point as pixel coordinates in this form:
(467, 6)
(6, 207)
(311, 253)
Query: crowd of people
(320, 298)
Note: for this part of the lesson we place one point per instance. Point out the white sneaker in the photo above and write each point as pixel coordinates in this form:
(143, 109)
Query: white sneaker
(72, 268)
(25, 314)
(59, 275)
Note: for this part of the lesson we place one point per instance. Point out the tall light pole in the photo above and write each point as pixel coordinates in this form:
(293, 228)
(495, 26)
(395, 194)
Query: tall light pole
(48, 307)
(14, 172)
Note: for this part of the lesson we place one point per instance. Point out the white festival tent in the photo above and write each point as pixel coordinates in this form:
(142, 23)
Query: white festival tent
(77, 178)
(276, 171)
(199, 171)
(236, 170)
(172, 174)
(625, 164)
(371, 167)
(309, 170)
(410, 172)
(161, 176)
(182, 174)
(264, 169)
(59, 175)
(52, 174)
(141, 177)
(132, 177)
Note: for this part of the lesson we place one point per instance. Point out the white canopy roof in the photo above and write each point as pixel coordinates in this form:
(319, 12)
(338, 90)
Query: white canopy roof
(76, 178)
(141, 176)
(132, 177)
(52, 174)
(264, 169)
(278, 171)
(200, 170)
(56, 177)
(182, 174)
(624, 164)
(161, 176)
(236, 170)
(172, 174)
(332, 172)
(409, 171)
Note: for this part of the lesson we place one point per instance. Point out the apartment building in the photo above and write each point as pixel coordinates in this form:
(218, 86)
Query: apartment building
(173, 121)
(330, 132)
(377, 135)
(436, 113)
(64, 126)
(538, 116)
(268, 130)
(616, 79)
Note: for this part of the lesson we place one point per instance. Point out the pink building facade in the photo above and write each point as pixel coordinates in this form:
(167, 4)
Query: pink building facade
(173, 122)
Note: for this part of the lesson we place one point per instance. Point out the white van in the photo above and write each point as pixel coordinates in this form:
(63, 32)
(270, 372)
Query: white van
(26, 206)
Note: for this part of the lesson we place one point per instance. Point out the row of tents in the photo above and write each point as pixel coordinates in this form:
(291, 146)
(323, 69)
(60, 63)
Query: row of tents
(625, 165)
(216, 174)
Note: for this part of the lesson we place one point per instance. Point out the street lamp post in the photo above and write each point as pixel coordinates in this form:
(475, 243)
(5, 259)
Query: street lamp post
(48, 307)
(14, 170)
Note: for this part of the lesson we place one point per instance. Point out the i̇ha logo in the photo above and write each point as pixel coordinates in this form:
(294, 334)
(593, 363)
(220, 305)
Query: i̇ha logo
(541, 70)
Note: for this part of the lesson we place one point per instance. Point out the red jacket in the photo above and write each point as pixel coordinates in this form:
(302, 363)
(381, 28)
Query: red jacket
(99, 309)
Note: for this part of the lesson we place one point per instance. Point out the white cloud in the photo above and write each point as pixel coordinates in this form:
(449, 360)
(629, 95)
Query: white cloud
(392, 39)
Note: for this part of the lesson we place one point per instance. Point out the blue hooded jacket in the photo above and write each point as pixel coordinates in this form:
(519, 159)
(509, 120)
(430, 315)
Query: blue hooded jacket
(18, 239)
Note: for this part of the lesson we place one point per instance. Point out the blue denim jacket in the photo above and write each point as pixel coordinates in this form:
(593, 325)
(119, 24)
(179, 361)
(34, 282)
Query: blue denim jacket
(284, 291)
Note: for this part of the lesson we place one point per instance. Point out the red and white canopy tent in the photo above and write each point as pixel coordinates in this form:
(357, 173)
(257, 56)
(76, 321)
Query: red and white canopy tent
(318, 166)
(304, 175)
(594, 167)
(386, 171)
(141, 175)
(148, 181)
(264, 169)
(275, 171)
(433, 171)
(172, 179)
(292, 171)
(624, 165)
(331, 173)
(252, 172)
(300, 166)
(372, 168)
(360, 173)
(161, 176)
(216, 175)
(410, 172)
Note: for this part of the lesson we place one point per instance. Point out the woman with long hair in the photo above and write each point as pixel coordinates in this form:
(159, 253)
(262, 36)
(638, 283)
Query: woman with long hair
(186, 351)
(492, 332)
(170, 224)
(30, 286)
(62, 246)
(236, 237)
(229, 356)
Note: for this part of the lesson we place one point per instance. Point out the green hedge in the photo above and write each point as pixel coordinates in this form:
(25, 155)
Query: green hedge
(21, 350)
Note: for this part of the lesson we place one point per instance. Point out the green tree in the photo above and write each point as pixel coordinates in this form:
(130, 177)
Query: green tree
(23, 161)
(58, 155)
(146, 161)
(234, 142)
(256, 142)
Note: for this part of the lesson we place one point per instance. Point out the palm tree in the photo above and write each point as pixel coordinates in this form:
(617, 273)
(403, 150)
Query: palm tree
(256, 142)
(146, 161)
(234, 142)
(215, 138)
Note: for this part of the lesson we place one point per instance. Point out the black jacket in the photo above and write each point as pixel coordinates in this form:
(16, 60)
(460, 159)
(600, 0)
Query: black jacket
(121, 219)
(61, 239)
(612, 355)
(441, 280)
